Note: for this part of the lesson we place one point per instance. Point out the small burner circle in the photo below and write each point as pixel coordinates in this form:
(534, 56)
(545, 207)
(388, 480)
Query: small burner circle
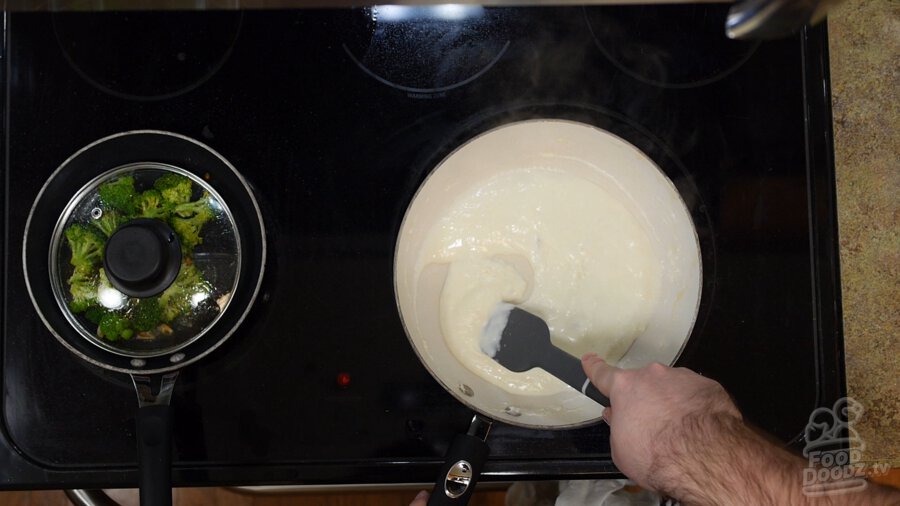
(146, 55)
(427, 50)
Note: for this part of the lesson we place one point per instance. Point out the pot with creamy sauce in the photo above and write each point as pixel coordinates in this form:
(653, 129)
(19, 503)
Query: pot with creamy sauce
(566, 221)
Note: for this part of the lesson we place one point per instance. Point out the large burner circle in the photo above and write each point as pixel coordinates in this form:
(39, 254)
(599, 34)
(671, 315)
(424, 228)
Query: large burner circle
(670, 46)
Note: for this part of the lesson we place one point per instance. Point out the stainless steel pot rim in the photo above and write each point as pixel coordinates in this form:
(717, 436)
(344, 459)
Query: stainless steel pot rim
(226, 334)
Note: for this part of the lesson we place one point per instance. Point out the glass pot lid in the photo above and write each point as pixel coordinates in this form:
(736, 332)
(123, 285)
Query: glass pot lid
(144, 259)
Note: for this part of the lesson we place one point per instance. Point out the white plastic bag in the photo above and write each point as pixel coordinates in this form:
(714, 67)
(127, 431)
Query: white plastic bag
(603, 493)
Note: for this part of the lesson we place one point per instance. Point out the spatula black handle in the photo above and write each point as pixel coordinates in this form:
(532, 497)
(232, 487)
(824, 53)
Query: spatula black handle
(568, 368)
(591, 391)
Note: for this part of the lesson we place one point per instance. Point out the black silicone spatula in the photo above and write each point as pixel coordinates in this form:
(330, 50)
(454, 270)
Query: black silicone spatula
(525, 344)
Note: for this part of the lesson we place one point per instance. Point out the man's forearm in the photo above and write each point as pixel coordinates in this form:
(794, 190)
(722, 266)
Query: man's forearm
(730, 464)
(725, 463)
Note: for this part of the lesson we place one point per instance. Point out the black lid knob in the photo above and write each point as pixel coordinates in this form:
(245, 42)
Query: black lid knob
(142, 257)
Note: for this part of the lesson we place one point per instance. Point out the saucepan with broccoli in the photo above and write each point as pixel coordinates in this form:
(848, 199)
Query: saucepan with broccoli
(143, 253)
(148, 259)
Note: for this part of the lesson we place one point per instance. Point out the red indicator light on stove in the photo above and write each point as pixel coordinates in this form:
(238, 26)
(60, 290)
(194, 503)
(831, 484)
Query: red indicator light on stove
(343, 380)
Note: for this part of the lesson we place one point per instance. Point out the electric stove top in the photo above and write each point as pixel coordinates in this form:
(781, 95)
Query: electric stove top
(335, 117)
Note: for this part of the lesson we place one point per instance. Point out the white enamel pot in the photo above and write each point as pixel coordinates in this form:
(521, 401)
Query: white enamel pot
(600, 158)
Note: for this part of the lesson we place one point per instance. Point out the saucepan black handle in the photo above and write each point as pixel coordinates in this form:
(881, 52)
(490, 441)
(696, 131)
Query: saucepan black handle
(154, 436)
(462, 466)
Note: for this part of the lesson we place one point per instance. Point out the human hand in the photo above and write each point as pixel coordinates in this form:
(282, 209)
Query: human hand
(421, 499)
(660, 418)
(680, 434)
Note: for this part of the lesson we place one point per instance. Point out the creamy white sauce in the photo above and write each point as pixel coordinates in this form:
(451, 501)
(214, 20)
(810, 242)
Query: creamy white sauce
(558, 246)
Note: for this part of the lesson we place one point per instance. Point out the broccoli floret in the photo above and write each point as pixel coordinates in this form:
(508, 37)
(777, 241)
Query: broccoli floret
(114, 327)
(104, 281)
(151, 204)
(147, 314)
(188, 219)
(83, 287)
(86, 244)
(118, 194)
(188, 231)
(190, 209)
(94, 314)
(178, 298)
(111, 297)
(109, 221)
(174, 188)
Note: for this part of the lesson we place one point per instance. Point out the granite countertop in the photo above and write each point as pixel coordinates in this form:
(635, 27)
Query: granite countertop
(864, 40)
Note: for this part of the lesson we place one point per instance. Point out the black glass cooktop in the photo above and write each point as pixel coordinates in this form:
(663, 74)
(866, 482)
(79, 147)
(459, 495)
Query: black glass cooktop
(335, 117)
